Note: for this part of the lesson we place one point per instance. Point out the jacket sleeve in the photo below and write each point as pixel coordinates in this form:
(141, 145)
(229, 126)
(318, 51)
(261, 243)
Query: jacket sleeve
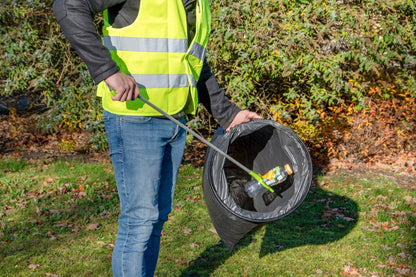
(214, 99)
(76, 20)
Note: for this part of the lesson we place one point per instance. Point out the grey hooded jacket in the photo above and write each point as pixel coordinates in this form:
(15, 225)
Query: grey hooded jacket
(76, 20)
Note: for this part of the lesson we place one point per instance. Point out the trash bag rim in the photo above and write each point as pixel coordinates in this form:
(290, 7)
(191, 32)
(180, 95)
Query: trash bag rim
(227, 138)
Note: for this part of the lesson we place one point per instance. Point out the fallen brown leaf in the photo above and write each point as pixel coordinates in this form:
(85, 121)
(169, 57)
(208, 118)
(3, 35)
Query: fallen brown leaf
(38, 212)
(33, 266)
(187, 231)
(408, 199)
(193, 245)
(212, 230)
(92, 227)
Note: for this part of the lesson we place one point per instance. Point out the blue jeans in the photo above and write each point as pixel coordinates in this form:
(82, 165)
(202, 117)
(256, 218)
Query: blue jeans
(146, 153)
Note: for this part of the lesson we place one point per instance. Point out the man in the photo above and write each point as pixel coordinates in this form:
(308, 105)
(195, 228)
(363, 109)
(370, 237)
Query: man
(155, 48)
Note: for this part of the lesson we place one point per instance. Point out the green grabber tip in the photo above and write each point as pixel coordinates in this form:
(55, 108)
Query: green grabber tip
(260, 180)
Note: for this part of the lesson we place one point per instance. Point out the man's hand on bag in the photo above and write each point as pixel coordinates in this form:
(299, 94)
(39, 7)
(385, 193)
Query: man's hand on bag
(124, 85)
(242, 117)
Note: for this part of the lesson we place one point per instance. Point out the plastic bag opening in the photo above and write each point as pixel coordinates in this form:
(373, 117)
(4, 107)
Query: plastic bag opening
(260, 150)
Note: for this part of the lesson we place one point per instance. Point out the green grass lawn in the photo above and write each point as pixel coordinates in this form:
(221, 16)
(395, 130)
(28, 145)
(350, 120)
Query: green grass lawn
(58, 217)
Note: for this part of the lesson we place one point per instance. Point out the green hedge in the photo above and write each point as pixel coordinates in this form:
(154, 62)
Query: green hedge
(285, 59)
(320, 53)
(38, 61)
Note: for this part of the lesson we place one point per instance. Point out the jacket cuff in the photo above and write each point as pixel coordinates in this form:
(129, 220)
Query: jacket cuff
(103, 75)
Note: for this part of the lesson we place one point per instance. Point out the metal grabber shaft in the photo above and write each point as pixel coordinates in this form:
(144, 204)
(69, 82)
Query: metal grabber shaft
(256, 176)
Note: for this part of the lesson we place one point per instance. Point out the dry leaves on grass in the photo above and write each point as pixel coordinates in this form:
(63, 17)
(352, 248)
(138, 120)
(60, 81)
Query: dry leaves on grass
(92, 227)
(352, 270)
(194, 245)
(187, 231)
(33, 266)
(212, 230)
(409, 199)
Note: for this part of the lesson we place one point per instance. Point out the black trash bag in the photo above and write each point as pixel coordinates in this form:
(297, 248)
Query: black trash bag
(260, 145)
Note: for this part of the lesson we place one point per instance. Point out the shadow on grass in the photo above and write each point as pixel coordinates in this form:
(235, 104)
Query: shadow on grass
(55, 219)
(322, 218)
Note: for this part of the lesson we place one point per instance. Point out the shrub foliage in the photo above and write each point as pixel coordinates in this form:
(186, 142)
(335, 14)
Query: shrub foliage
(322, 53)
(303, 63)
(38, 61)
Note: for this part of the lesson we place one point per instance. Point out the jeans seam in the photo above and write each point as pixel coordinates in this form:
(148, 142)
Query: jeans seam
(106, 120)
(120, 139)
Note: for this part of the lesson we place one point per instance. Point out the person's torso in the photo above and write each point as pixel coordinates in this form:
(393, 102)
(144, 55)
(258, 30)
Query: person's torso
(157, 50)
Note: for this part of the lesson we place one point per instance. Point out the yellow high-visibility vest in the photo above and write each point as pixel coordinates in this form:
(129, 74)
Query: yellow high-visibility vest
(156, 52)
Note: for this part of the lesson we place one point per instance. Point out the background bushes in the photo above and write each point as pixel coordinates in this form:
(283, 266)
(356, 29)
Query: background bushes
(317, 65)
(312, 65)
(323, 53)
(37, 61)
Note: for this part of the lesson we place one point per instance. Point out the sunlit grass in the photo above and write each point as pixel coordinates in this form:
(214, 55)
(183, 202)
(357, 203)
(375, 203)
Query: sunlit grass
(59, 218)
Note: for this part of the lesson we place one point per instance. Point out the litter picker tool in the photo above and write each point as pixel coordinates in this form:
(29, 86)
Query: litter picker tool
(256, 176)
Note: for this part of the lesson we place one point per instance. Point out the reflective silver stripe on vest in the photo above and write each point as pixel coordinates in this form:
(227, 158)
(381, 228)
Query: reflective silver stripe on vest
(135, 44)
(163, 80)
(193, 81)
(198, 51)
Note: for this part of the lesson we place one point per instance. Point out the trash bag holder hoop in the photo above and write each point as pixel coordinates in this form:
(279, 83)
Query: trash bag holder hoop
(221, 193)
